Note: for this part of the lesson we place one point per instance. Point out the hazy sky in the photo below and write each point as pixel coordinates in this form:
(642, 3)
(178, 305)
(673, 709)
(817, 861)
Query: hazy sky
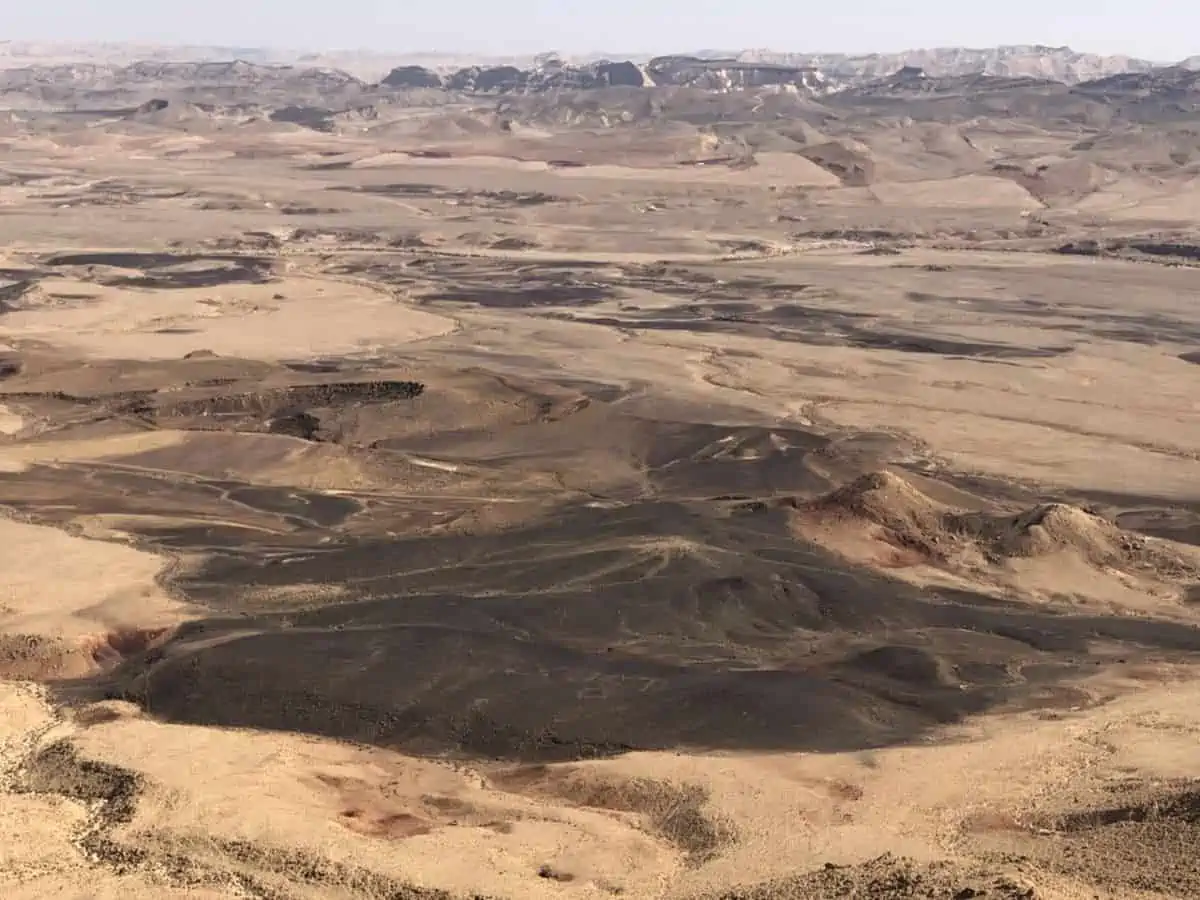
(1156, 29)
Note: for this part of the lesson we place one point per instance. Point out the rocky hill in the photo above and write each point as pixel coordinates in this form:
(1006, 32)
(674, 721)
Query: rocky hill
(1031, 61)
(1057, 63)
(170, 74)
(1168, 94)
(812, 73)
(720, 75)
(688, 89)
(227, 81)
(733, 74)
(22, 54)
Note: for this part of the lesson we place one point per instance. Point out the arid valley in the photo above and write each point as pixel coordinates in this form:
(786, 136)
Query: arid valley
(734, 487)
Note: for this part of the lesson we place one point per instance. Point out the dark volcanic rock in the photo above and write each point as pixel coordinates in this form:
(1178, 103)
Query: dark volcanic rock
(718, 75)
(620, 74)
(153, 106)
(1170, 79)
(495, 79)
(911, 81)
(306, 116)
(551, 75)
(412, 77)
(424, 660)
(283, 403)
(298, 424)
(1171, 250)
(1171, 94)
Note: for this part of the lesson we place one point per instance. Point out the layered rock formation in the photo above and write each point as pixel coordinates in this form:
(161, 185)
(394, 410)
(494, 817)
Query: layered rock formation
(547, 75)
(1023, 60)
(720, 75)
(168, 74)
(556, 91)
(733, 74)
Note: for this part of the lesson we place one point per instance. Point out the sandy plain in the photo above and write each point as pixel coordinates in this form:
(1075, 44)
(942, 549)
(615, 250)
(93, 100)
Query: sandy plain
(387, 525)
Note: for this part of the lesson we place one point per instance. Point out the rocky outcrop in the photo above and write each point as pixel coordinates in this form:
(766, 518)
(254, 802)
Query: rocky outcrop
(946, 85)
(1158, 96)
(550, 74)
(912, 80)
(1170, 94)
(489, 80)
(1167, 80)
(914, 94)
(720, 75)
(237, 72)
(731, 74)
(1135, 248)
(1162, 94)
(1016, 61)
(621, 74)
(1002, 69)
(313, 117)
(150, 107)
(193, 78)
(1057, 63)
(412, 77)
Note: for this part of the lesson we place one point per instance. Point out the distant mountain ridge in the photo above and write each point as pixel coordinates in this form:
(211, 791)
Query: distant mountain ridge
(812, 73)
(945, 83)
(1024, 60)
(719, 75)
(1012, 61)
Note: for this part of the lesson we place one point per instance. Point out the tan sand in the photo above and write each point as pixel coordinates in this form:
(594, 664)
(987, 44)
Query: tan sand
(435, 824)
(302, 317)
(77, 603)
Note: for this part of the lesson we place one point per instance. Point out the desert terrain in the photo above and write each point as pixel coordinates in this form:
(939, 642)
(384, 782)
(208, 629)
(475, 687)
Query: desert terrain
(534, 486)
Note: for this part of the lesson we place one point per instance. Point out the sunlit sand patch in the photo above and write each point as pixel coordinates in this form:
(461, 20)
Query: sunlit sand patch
(57, 585)
(19, 457)
(11, 422)
(968, 191)
(291, 318)
(417, 822)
